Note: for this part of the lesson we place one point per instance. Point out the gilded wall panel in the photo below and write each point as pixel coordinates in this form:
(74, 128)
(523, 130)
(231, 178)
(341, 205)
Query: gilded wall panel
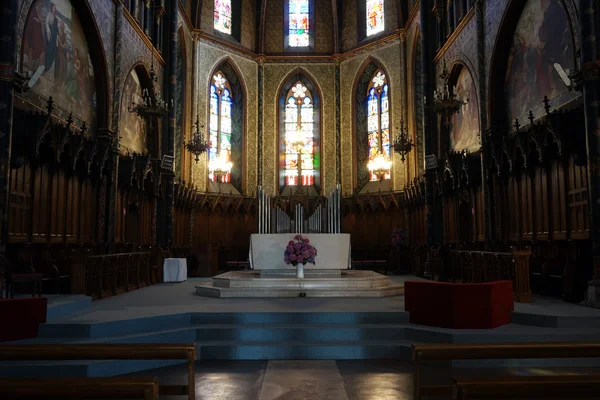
(208, 57)
(323, 76)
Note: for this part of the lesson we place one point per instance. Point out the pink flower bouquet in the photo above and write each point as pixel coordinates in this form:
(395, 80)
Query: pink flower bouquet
(299, 251)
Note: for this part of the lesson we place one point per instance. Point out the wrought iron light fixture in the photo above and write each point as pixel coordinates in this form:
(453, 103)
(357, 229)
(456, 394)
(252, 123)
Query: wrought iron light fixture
(199, 144)
(152, 104)
(380, 165)
(445, 101)
(402, 144)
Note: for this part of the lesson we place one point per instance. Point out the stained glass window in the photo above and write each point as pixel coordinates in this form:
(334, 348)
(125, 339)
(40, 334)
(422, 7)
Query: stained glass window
(378, 118)
(220, 123)
(223, 16)
(299, 23)
(299, 131)
(375, 22)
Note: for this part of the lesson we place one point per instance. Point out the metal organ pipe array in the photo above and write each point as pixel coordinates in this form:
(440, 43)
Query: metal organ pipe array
(324, 219)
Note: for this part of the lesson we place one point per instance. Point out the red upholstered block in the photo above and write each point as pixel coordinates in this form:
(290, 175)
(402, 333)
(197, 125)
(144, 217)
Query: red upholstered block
(459, 305)
(20, 318)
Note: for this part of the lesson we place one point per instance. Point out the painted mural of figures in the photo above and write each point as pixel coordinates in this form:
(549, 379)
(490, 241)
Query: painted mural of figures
(542, 38)
(59, 69)
(465, 125)
(70, 78)
(54, 38)
(34, 45)
(51, 36)
(132, 127)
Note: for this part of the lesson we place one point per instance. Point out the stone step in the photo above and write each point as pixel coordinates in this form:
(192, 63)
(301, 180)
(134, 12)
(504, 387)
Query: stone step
(290, 350)
(207, 289)
(249, 279)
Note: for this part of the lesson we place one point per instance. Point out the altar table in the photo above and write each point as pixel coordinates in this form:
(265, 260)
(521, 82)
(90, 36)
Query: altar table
(266, 252)
(175, 270)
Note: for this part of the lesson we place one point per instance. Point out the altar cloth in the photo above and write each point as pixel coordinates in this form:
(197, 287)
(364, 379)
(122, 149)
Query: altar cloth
(266, 251)
(175, 270)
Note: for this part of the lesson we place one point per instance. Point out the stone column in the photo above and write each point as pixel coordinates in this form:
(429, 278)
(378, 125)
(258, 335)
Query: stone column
(486, 186)
(259, 169)
(113, 183)
(449, 17)
(338, 123)
(169, 149)
(8, 21)
(429, 138)
(590, 66)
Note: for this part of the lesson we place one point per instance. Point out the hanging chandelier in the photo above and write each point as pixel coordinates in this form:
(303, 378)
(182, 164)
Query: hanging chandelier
(447, 102)
(152, 105)
(380, 165)
(220, 167)
(198, 145)
(402, 144)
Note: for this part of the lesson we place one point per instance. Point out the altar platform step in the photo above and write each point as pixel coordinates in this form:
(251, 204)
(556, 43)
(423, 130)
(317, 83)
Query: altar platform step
(349, 283)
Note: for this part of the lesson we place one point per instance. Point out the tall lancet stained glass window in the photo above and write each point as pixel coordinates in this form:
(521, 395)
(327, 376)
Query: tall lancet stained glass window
(378, 114)
(299, 23)
(299, 132)
(222, 21)
(375, 17)
(220, 124)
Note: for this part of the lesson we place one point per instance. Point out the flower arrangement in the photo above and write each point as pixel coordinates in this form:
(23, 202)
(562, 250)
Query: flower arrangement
(299, 252)
(398, 239)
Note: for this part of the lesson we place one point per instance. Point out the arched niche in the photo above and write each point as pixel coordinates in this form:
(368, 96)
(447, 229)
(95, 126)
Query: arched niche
(56, 39)
(362, 146)
(464, 130)
(137, 134)
(523, 70)
(299, 87)
(236, 138)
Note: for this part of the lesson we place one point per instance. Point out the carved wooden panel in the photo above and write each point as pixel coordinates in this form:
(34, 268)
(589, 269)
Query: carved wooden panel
(558, 202)
(577, 200)
(19, 216)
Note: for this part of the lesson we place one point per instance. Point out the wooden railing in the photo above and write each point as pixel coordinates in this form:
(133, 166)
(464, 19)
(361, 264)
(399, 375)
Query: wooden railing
(110, 275)
(130, 351)
(503, 351)
(483, 266)
(78, 388)
(527, 387)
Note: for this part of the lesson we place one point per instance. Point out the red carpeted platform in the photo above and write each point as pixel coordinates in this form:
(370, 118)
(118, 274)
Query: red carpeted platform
(459, 305)
(20, 318)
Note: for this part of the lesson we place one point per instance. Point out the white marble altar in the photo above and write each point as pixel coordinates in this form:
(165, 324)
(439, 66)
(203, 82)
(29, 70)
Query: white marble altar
(266, 254)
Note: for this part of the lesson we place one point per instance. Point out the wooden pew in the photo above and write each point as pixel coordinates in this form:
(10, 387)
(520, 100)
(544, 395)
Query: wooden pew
(491, 351)
(527, 387)
(79, 388)
(45, 352)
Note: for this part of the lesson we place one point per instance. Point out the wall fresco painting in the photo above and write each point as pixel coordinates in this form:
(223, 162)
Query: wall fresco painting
(542, 39)
(465, 125)
(54, 41)
(132, 128)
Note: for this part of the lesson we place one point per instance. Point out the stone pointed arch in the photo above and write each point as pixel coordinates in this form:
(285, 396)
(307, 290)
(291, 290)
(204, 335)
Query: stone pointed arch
(300, 75)
(238, 115)
(360, 135)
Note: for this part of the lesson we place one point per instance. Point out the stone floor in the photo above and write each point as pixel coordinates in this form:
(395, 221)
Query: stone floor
(293, 380)
(321, 380)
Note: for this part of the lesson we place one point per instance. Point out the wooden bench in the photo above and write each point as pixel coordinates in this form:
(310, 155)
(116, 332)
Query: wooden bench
(491, 351)
(79, 388)
(527, 387)
(44, 352)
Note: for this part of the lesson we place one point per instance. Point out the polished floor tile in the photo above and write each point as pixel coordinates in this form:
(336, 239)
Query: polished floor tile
(302, 380)
(376, 379)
